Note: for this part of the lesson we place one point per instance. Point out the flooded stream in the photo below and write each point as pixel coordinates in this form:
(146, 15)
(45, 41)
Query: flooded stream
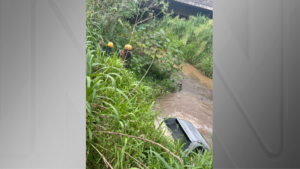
(194, 103)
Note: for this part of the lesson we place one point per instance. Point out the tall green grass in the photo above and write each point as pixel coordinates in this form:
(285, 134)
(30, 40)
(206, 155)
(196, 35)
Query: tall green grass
(107, 86)
(194, 38)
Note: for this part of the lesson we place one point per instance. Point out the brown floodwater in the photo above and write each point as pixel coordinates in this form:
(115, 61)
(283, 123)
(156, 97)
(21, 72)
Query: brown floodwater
(193, 103)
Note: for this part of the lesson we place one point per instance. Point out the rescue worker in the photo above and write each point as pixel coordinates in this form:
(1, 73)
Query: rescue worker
(109, 48)
(126, 55)
(100, 45)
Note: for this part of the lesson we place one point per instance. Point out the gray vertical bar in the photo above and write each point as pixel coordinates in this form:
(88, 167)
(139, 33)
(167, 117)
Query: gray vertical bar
(256, 101)
(42, 84)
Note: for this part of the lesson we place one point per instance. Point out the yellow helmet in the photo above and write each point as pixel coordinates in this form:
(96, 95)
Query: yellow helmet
(129, 47)
(126, 47)
(110, 44)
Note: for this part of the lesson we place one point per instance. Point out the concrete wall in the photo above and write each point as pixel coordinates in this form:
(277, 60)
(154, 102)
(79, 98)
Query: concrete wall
(185, 10)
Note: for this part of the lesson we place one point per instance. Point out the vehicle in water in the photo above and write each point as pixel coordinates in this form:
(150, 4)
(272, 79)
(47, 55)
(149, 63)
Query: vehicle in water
(188, 134)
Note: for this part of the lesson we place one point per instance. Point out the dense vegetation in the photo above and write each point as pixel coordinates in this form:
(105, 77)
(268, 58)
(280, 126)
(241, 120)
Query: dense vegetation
(120, 128)
(194, 38)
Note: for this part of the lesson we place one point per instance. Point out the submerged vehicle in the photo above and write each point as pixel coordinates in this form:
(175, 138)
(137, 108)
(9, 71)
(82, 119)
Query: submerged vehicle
(185, 131)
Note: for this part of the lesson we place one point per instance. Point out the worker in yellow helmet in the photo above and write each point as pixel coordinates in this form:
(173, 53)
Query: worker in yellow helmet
(126, 55)
(129, 47)
(109, 48)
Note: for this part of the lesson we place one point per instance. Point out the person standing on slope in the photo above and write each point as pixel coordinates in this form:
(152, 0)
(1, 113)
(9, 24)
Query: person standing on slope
(126, 55)
(109, 48)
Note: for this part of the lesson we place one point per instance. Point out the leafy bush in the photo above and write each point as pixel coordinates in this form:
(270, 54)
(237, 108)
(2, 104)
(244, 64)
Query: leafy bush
(108, 20)
(193, 37)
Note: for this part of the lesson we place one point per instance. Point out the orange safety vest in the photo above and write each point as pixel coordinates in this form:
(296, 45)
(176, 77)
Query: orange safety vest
(122, 54)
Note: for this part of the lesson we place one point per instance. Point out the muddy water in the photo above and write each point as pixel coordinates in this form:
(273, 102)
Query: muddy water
(194, 103)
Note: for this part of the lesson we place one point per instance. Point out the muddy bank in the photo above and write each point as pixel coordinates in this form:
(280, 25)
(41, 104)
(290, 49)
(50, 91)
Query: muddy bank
(193, 103)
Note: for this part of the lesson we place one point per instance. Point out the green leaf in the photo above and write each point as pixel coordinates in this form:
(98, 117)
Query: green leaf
(162, 160)
(114, 109)
(112, 79)
(119, 91)
(90, 135)
(88, 107)
(88, 81)
(120, 22)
